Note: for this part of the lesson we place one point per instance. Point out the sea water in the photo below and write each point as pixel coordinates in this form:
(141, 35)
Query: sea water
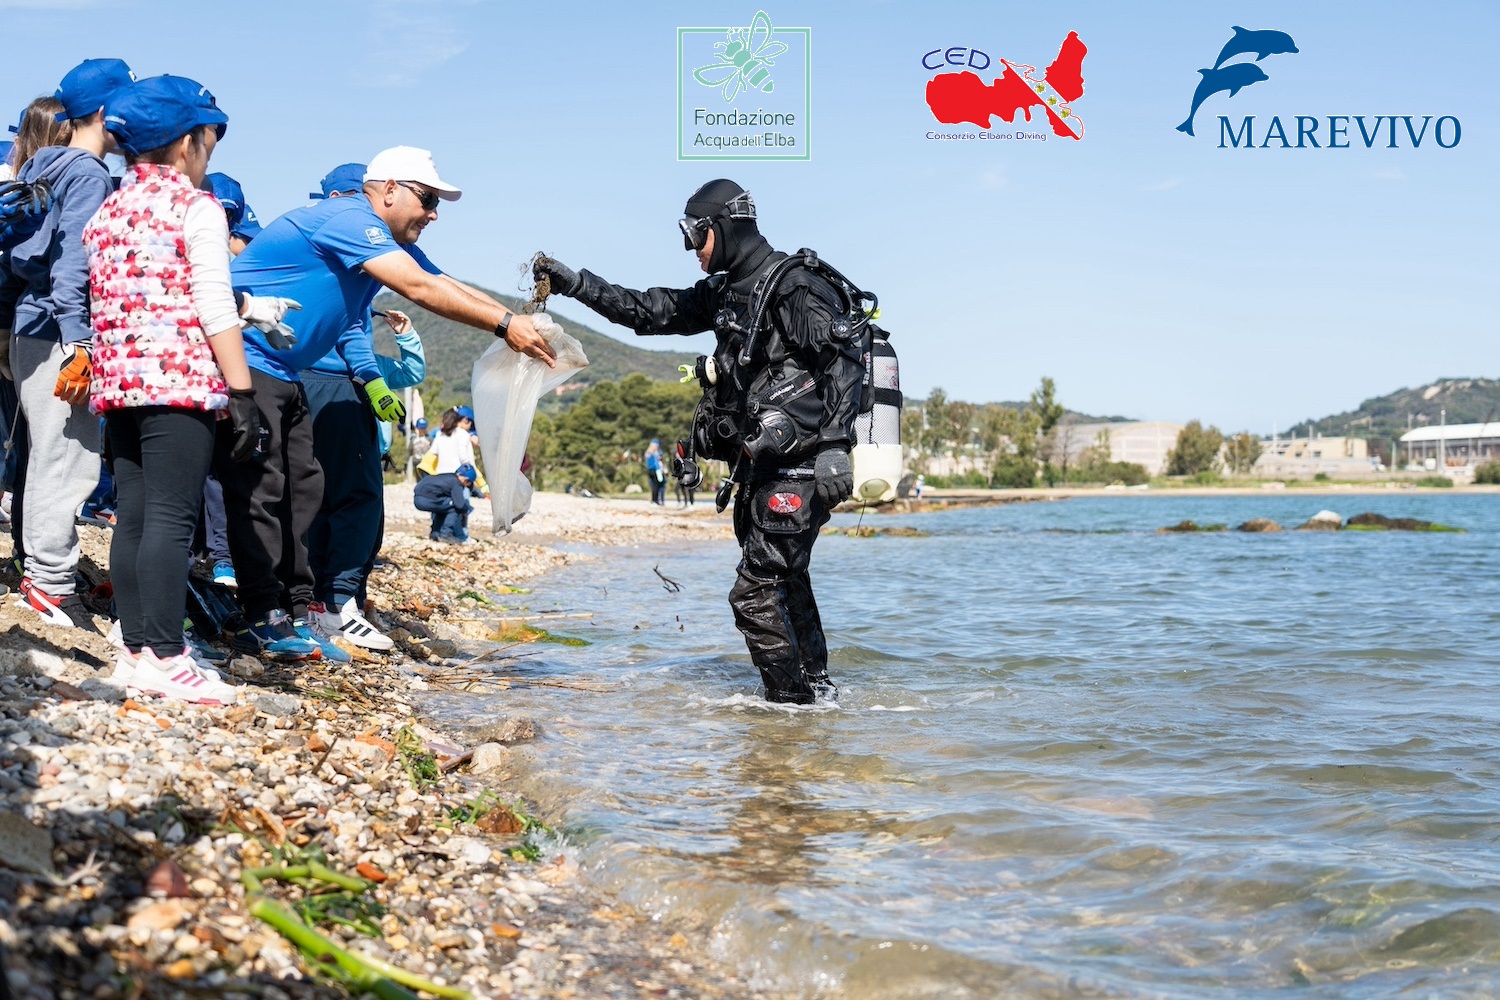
(1072, 756)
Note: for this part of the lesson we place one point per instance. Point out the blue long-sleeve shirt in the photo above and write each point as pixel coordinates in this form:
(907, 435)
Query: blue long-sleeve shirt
(444, 486)
(44, 291)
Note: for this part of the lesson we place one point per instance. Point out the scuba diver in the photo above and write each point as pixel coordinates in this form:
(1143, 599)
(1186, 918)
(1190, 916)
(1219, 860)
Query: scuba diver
(781, 394)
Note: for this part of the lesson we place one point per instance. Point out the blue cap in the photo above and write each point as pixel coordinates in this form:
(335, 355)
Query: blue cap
(466, 471)
(464, 411)
(16, 128)
(249, 226)
(345, 178)
(159, 110)
(5, 148)
(89, 86)
(421, 424)
(241, 217)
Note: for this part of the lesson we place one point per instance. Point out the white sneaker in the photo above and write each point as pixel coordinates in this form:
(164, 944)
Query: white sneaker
(354, 627)
(178, 677)
(125, 667)
(125, 662)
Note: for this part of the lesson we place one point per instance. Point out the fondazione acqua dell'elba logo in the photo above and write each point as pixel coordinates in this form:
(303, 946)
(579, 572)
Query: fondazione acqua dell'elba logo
(1302, 131)
(959, 95)
(744, 91)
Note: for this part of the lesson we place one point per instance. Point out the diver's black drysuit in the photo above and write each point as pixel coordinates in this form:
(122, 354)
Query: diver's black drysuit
(799, 366)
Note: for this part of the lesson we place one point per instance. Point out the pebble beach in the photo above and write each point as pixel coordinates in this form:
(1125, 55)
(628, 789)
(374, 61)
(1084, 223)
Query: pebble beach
(127, 826)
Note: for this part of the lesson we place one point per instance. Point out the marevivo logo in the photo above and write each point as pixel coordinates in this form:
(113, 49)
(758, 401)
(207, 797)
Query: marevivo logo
(1228, 77)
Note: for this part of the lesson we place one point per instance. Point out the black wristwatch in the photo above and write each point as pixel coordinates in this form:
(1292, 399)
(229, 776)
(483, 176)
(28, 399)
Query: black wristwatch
(503, 327)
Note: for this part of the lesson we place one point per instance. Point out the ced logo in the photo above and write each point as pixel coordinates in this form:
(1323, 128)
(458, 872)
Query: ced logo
(784, 503)
(958, 55)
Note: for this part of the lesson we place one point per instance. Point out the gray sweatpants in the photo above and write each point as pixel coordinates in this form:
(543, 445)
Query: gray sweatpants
(63, 469)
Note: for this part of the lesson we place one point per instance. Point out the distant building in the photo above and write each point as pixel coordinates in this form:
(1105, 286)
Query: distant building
(1296, 458)
(1144, 442)
(1451, 445)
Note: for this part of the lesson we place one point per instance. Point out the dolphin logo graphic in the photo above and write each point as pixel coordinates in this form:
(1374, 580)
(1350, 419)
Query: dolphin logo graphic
(1262, 43)
(1231, 78)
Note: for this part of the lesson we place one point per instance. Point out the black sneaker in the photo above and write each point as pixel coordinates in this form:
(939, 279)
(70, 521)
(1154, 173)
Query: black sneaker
(274, 635)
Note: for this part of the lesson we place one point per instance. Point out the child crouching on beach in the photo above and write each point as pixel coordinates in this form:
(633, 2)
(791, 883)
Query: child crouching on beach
(446, 497)
(168, 364)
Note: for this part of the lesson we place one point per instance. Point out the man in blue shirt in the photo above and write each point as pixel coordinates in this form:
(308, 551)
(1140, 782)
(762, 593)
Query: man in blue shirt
(332, 258)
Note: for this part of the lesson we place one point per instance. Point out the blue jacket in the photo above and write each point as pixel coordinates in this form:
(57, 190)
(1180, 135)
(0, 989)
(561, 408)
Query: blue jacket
(435, 490)
(44, 290)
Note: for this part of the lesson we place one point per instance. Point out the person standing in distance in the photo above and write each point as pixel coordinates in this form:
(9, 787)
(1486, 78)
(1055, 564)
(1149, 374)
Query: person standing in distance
(332, 257)
(790, 488)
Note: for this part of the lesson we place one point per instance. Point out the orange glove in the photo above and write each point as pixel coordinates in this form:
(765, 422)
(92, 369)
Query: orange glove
(73, 381)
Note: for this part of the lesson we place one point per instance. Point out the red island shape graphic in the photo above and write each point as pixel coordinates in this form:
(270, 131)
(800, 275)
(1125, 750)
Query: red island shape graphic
(956, 98)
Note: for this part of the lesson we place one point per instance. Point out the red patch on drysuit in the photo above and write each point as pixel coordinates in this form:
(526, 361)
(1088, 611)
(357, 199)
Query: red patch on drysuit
(784, 503)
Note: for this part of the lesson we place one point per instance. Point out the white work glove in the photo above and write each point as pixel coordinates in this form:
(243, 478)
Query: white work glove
(265, 312)
(262, 311)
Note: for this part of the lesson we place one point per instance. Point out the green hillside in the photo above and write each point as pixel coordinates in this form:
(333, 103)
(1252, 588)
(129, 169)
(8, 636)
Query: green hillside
(452, 348)
(1466, 400)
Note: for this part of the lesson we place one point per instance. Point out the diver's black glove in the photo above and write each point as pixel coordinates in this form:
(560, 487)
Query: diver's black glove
(564, 280)
(835, 475)
(245, 426)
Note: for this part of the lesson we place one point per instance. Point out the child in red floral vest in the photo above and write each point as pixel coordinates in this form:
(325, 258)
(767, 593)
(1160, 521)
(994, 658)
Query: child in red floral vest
(169, 363)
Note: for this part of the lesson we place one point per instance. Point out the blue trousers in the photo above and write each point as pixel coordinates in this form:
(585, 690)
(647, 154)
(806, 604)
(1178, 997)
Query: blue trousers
(348, 525)
(447, 521)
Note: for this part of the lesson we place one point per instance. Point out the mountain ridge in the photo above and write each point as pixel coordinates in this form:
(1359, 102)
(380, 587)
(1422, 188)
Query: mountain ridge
(452, 348)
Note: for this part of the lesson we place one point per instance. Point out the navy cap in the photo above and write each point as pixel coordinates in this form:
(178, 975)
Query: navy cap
(466, 471)
(241, 218)
(345, 178)
(159, 110)
(16, 128)
(89, 86)
(248, 227)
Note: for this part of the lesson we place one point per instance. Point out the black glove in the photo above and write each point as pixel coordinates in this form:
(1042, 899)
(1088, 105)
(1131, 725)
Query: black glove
(564, 280)
(835, 475)
(245, 425)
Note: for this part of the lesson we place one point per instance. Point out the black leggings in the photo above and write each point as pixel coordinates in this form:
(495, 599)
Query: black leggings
(161, 457)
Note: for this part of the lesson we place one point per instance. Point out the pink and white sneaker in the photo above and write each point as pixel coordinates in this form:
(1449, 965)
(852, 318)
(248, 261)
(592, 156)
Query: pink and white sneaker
(177, 677)
(125, 666)
(125, 659)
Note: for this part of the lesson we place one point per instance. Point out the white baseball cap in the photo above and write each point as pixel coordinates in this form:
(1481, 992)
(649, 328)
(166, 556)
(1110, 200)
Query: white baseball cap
(408, 163)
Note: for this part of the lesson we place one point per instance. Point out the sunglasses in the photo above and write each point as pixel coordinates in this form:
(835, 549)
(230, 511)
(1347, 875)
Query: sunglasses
(429, 199)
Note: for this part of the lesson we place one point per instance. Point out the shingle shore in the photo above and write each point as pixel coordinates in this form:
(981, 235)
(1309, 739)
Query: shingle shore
(125, 824)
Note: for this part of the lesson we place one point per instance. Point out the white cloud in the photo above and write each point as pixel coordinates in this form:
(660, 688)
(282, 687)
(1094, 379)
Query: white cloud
(1391, 174)
(1166, 185)
(993, 180)
(408, 38)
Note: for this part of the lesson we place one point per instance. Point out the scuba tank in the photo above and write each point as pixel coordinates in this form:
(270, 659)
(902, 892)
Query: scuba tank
(877, 454)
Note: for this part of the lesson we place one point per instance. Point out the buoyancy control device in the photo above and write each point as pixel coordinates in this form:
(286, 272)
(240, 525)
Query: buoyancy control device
(780, 414)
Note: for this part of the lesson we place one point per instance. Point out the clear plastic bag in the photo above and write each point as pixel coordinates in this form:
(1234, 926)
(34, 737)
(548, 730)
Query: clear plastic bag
(507, 385)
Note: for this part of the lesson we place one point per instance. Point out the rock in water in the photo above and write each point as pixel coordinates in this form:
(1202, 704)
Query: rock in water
(1323, 520)
(1259, 524)
(1379, 522)
(513, 730)
(490, 757)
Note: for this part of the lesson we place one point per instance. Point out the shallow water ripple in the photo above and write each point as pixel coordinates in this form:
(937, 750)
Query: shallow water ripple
(1074, 757)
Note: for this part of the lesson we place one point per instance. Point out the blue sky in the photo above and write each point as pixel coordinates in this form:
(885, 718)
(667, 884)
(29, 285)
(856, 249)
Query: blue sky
(1151, 274)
